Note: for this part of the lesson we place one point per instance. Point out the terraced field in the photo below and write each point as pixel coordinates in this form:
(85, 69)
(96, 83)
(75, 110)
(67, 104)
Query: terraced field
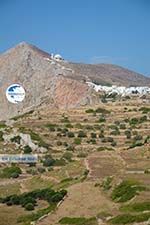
(100, 155)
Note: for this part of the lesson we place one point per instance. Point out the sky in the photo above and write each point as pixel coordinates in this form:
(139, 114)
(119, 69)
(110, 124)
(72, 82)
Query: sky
(88, 31)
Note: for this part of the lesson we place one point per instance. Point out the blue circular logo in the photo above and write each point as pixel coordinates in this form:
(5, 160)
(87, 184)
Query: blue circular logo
(15, 93)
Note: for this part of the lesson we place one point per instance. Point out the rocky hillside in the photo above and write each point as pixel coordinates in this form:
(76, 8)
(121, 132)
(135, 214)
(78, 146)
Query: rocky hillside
(107, 74)
(54, 83)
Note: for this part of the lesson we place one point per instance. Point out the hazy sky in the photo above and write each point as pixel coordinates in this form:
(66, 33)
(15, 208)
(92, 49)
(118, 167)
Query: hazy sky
(90, 31)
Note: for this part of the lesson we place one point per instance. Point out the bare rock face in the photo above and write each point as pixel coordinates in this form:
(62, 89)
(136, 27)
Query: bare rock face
(38, 74)
(51, 82)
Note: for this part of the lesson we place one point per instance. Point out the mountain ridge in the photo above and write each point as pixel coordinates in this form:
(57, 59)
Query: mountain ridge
(55, 83)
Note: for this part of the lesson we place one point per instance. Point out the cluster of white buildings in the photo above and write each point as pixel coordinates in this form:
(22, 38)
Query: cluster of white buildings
(56, 57)
(120, 90)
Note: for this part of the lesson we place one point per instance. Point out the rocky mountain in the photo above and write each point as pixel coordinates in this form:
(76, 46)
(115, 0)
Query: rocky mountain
(55, 83)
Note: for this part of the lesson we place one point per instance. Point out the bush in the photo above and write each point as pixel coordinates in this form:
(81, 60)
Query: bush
(128, 218)
(82, 155)
(128, 134)
(70, 148)
(101, 135)
(92, 141)
(77, 141)
(102, 110)
(10, 172)
(114, 143)
(14, 175)
(70, 134)
(106, 184)
(69, 125)
(60, 162)
(78, 221)
(110, 139)
(27, 149)
(29, 206)
(93, 135)
(136, 144)
(138, 138)
(102, 119)
(115, 132)
(136, 207)
(122, 126)
(78, 126)
(89, 127)
(81, 134)
(144, 110)
(16, 139)
(103, 148)
(89, 111)
(49, 161)
(68, 156)
(125, 191)
(1, 136)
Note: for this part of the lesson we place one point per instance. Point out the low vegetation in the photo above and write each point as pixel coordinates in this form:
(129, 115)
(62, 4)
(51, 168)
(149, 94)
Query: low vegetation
(126, 190)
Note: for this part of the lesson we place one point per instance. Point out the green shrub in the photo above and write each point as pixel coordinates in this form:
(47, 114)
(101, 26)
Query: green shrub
(114, 143)
(77, 141)
(60, 162)
(136, 144)
(69, 125)
(88, 127)
(27, 149)
(68, 156)
(92, 141)
(115, 132)
(78, 126)
(136, 207)
(29, 207)
(106, 184)
(82, 155)
(70, 134)
(125, 191)
(122, 126)
(10, 172)
(48, 161)
(144, 110)
(78, 221)
(128, 134)
(130, 219)
(2, 125)
(1, 136)
(93, 135)
(70, 148)
(104, 148)
(138, 137)
(16, 139)
(89, 110)
(102, 110)
(35, 137)
(81, 134)
(102, 119)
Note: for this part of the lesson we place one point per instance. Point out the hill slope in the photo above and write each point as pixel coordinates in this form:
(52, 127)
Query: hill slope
(54, 83)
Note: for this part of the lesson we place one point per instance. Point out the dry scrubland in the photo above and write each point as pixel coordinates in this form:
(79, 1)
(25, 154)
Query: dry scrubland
(100, 155)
